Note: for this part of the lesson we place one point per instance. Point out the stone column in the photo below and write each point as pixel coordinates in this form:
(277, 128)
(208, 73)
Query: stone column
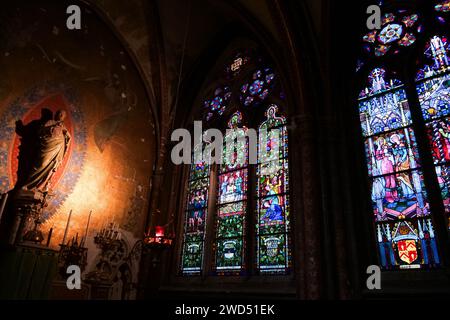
(306, 204)
(335, 203)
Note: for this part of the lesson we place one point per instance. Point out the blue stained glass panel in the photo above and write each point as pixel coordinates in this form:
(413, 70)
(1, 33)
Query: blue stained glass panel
(434, 97)
(383, 113)
(399, 196)
(258, 88)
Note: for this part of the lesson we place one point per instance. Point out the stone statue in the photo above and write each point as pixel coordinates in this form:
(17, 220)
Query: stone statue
(50, 147)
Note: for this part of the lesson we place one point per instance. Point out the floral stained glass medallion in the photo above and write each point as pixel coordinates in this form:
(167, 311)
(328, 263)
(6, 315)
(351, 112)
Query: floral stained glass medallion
(258, 88)
(396, 31)
(218, 103)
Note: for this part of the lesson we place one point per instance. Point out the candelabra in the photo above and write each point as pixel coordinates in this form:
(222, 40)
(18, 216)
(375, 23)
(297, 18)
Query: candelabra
(72, 253)
(106, 237)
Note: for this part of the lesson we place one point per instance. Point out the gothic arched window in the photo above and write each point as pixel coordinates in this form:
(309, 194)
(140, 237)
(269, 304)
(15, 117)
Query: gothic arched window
(272, 188)
(245, 229)
(231, 213)
(195, 216)
(406, 129)
(433, 89)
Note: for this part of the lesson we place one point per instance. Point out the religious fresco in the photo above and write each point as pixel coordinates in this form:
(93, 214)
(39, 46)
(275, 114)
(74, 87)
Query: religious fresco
(28, 108)
(107, 165)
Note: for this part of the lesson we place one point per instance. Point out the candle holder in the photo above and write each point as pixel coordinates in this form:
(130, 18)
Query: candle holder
(156, 242)
(72, 253)
(158, 238)
(107, 236)
(34, 235)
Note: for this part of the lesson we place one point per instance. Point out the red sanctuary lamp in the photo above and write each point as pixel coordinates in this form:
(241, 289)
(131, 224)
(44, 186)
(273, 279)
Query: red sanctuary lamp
(159, 238)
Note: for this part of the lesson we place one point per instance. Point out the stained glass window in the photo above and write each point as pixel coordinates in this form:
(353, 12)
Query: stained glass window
(258, 88)
(241, 242)
(273, 220)
(232, 205)
(443, 6)
(401, 210)
(195, 216)
(235, 67)
(397, 30)
(433, 89)
(218, 103)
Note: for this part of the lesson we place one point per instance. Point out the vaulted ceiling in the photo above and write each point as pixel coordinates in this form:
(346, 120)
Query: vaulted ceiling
(155, 32)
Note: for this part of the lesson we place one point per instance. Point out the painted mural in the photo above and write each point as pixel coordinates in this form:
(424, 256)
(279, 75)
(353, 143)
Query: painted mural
(90, 75)
(27, 109)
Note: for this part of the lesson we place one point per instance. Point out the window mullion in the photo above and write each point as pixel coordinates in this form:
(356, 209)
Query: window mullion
(208, 255)
(251, 220)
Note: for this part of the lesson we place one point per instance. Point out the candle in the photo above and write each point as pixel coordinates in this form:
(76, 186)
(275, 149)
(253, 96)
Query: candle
(49, 236)
(87, 228)
(67, 227)
(2, 206)
(159, 231)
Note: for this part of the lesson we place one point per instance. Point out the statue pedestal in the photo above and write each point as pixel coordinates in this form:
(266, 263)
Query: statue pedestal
(26, 268)
(21, 206)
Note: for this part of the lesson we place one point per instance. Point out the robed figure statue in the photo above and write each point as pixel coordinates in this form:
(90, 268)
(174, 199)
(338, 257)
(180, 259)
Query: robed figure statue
(45, 154)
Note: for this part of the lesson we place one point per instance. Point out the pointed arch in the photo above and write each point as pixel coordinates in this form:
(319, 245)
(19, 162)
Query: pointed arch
(249, 226)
